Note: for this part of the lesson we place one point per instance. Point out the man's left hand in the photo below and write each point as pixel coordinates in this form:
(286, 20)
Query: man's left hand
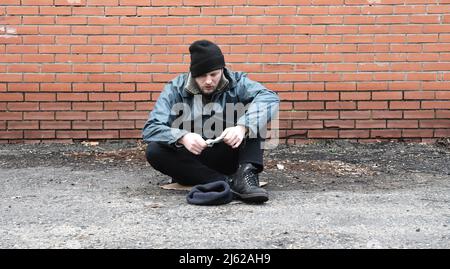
(233, 136)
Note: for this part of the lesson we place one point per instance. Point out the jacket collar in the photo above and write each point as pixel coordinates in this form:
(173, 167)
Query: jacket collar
(191, 86)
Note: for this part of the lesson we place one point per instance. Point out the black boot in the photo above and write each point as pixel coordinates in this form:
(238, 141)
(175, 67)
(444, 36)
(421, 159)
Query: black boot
(245, 185)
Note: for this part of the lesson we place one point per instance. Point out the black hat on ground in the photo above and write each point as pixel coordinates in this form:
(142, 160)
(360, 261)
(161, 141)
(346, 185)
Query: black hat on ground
(214, 193)
(205, 57)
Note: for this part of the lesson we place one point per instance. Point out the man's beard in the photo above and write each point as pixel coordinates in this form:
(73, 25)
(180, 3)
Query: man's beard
(209, 92)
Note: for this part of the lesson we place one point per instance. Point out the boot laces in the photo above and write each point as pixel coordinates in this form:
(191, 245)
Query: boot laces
(251, 179)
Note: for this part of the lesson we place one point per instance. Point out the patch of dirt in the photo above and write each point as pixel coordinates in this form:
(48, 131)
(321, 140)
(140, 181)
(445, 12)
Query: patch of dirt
(342, 164)
(327, 164)
(333, 168)
(132, 155)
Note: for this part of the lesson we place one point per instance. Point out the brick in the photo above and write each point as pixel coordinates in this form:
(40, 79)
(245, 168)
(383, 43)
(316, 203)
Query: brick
(38, 58)
(23, 106)
(354, 134)
(55, 125)
(442, 133)
(340, 105)
(420, 95)
(119, 87)
(54, 49)
(11, 134)
(87, 87)
(387, 95)
(72, 96)
(70, 3)
(103, 96)
(369, 124)
(309, 105)
(420, 114)
(355, 96)
(386, 114)
(292, 115)
(71, 134)
(55, 106)
(38, 77)
(323, 96)
(6, 115)
(23, 10)
(221, 11)
(40, 97)
(104, 134)
(417, 133)
(107, 78)
(410, 86)
(55, 87)
(444, 123)
(404, 105)
(19, 68)
(107, 20)
(410, 124)
(39, 115)
(134, 96)
(37, 134)
(70, 115)
(116, 106)
(136, 77)
(104, 58)
(8, 97)
(102, 115)
(372, 105)
(133, 115)
(10, 2)
(445, 95)
(323, 115)
(71, 58)
(322, 134)
(136, 134)
(354, 114)
(308, 124)
(435, 85)
(385, 133)
(144, 106)
(331, 86)
(11, 78)
(341, 124)
(119, 124)
(22, 49)
(86, 125)
(84, 106)
(56, 68)
(444, 114)
(293, 95)
(23, 125)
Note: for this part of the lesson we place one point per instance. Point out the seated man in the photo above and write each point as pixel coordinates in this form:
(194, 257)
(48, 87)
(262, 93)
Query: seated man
(209, 102)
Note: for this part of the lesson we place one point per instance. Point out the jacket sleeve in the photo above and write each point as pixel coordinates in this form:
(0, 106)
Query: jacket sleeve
(261, 104)
(158, 127)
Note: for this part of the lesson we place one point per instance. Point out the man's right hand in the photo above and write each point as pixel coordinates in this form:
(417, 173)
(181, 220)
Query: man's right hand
(193, 142)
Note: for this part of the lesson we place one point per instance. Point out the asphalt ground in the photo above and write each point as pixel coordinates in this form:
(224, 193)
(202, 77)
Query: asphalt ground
(327, 195)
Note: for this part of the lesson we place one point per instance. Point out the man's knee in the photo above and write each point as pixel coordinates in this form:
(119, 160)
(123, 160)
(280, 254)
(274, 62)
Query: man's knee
(153, 152)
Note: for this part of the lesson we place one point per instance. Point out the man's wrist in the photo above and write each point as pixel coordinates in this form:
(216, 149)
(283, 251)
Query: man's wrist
(179, 143)
(244, 128)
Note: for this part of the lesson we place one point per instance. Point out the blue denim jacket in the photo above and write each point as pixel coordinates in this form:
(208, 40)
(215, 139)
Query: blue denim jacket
(181, 108)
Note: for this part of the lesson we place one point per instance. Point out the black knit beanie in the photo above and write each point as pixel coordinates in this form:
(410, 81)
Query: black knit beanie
(205, 57)
(214, 193)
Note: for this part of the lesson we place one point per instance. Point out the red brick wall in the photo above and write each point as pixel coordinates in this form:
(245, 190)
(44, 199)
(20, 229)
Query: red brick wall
(353, 69)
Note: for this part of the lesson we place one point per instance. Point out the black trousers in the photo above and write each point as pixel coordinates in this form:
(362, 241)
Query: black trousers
(213, 164)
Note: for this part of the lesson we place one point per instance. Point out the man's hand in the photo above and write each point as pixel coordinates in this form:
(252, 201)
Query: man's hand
(193, 142)
(233, 136)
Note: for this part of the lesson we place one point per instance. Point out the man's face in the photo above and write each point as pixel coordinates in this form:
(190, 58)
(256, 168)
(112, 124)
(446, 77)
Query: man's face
(208, 82)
